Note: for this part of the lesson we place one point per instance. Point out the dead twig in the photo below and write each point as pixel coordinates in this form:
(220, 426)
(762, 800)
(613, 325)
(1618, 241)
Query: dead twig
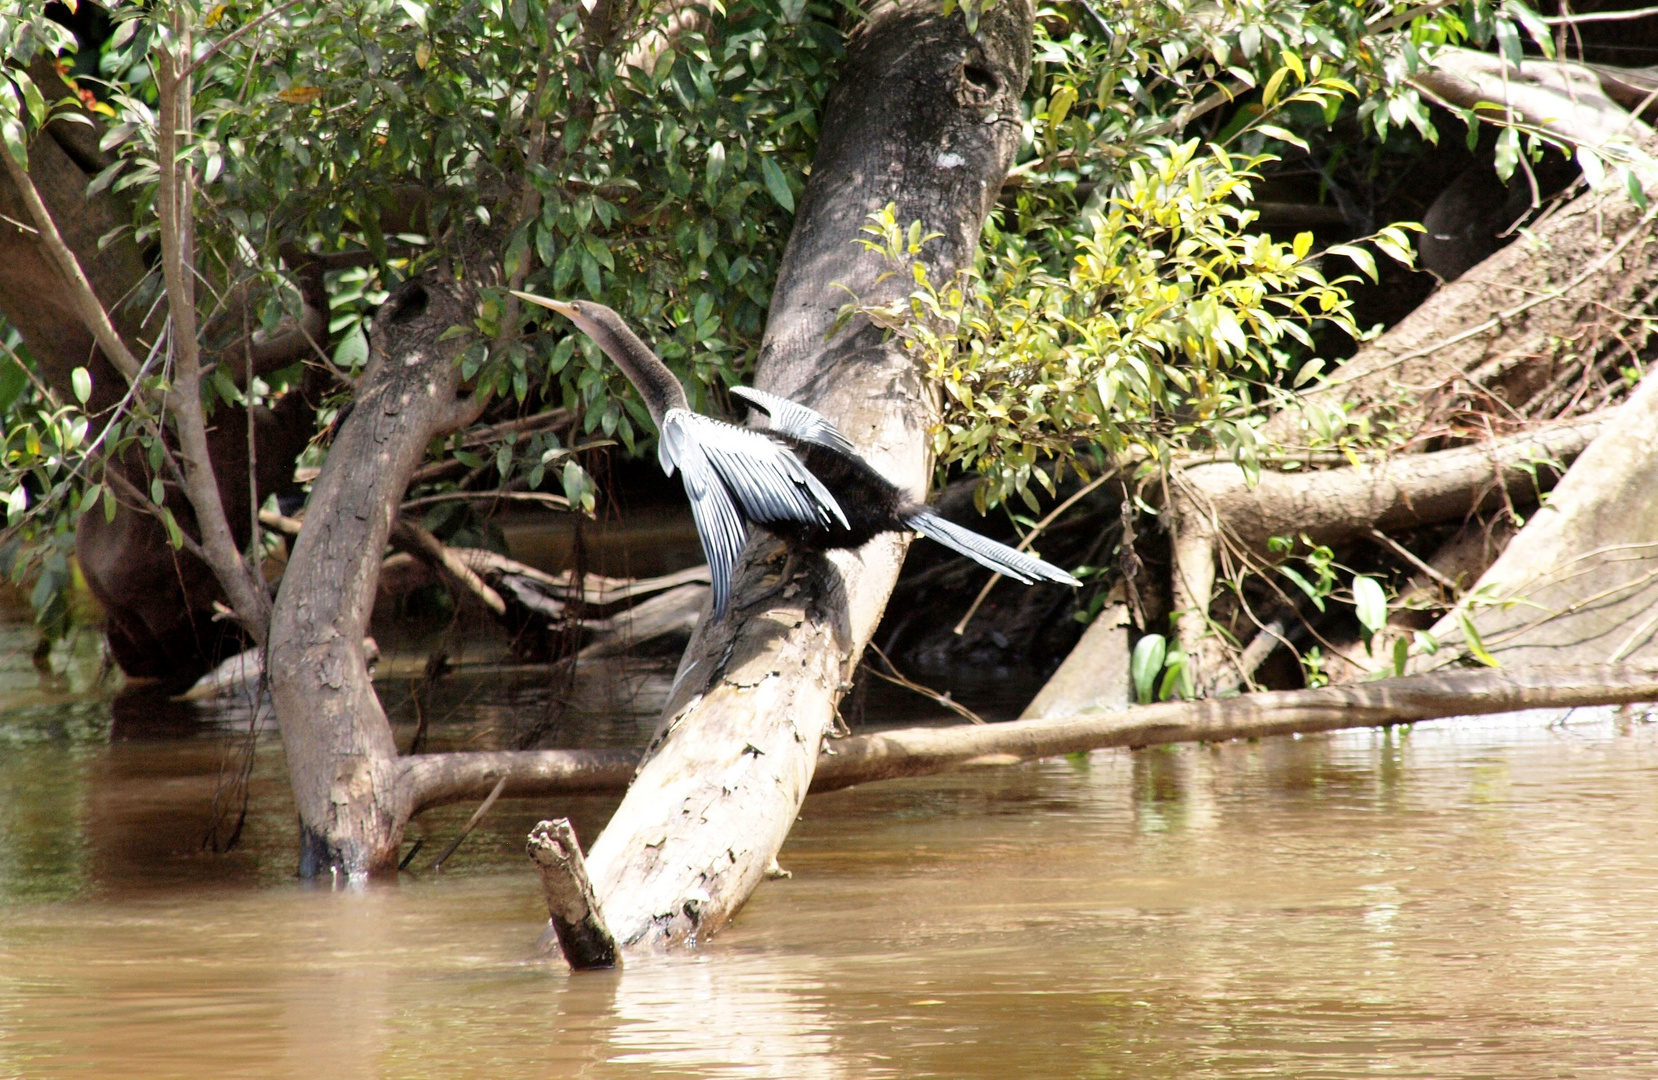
(471, 823)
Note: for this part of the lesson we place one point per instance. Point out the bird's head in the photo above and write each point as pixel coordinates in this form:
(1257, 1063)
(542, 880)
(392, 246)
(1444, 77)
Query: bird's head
(656, 383)
(585, 316)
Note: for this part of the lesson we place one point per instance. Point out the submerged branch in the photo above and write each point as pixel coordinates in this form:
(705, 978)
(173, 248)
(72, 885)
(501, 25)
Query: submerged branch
(439, 779)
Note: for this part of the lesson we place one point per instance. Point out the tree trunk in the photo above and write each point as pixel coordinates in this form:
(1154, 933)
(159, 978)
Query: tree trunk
(925, 116)
(343, 765)
(1217, 501)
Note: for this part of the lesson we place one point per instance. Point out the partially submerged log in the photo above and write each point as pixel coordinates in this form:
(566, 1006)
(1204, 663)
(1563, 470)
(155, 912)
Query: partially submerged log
(889, 755)
(572, 908)
(925, 117)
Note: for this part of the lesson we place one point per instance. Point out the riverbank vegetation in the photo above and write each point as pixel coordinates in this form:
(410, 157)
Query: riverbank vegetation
(1312, 335)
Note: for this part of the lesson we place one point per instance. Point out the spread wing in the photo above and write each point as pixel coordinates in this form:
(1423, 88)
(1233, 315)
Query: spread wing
(794, 419)
(734, 476)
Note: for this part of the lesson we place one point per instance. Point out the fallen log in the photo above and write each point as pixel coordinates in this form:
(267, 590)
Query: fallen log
(1572, 290)
(923, 119)
(1580, 580)
(1217, 501)
(923, 751)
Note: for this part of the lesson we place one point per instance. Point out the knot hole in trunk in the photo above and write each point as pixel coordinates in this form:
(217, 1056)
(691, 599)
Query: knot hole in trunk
(409, 304)
(977, 84)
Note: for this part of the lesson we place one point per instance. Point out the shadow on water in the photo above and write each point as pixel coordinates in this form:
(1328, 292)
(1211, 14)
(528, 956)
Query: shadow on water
(1473, 898)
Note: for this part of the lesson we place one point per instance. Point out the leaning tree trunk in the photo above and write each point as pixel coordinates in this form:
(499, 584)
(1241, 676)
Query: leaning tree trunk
(926, 116)
(342, 763)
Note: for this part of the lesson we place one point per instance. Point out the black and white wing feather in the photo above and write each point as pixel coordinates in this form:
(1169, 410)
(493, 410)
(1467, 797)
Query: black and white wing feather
(796, 420)
(734, 476)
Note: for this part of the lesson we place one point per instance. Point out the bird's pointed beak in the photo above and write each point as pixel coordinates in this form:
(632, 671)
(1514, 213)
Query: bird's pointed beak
(562, 307)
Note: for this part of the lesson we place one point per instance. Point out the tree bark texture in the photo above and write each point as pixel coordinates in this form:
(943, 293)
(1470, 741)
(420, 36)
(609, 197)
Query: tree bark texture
(1576, 284)
(341, 759)
(572, 908)
(1579, 582)
(925, 116)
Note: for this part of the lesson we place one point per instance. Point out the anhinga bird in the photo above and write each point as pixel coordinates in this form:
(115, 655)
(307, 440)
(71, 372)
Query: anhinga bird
(799, 479)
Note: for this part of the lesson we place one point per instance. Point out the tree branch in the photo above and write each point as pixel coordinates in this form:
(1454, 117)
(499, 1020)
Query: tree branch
(175, 200)
(87, 304)
(439, 779)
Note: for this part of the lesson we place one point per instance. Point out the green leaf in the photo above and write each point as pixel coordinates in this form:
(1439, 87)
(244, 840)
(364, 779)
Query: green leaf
(1061, 105)
(1304, 585)
(776, 184)
(1476, 646)
(1145, 664)
(1535, 26)
(1507, 153)
(352, 351)
(32, 101)
(12, 381)
(1273, 131)
(1361, 258)
(17, 144)
(415, 10)
(1401, 654)
(1594, 170)
(81, 381)
(1177, 677)
(1274, 84)
(1369, 603)
(175, 535)
(1508, 42)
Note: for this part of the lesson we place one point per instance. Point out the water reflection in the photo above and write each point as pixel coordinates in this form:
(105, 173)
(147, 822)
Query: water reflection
(1472, 898)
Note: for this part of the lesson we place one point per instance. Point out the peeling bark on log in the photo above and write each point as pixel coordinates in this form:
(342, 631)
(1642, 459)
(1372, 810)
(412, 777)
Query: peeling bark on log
(1404, 491)
(572, 908)
(925, 116)
(889, 755)
(1580, 581)
(341, 758)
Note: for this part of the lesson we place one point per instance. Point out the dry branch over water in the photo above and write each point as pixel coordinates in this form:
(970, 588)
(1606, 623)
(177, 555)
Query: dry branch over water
(888, 755)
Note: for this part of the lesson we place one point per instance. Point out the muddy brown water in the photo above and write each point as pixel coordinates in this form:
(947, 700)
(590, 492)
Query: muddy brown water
(1474, 898)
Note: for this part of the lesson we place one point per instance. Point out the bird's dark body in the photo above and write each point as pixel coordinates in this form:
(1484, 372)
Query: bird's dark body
(798, 478)
(872, 504)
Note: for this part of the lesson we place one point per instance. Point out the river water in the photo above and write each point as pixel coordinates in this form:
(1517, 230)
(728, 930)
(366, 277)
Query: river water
(1474, 898)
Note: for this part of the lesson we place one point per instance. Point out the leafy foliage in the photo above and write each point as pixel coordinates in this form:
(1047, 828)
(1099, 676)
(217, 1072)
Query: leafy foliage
(650, 157)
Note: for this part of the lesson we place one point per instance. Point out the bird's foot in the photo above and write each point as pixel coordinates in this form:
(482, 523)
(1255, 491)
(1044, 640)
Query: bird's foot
(780, 589)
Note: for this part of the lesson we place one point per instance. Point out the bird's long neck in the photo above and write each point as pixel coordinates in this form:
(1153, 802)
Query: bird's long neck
(650, 376)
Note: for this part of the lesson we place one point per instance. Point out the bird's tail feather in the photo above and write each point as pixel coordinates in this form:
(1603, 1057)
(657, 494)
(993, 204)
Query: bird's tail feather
(987, 552)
